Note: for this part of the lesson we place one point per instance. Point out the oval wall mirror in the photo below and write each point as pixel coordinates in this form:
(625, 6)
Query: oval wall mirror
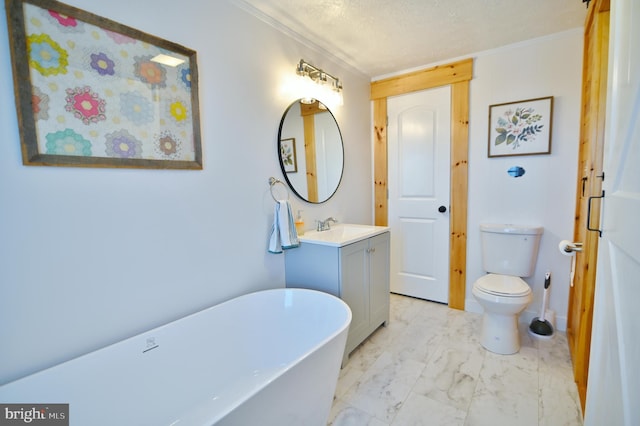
(310, 151)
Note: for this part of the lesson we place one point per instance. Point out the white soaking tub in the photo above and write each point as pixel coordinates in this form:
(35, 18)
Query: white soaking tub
(265, 358)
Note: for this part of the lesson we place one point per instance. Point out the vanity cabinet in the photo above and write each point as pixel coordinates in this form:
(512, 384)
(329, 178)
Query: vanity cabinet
(358, 273)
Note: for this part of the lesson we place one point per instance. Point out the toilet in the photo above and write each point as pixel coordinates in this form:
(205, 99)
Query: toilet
(508, 253)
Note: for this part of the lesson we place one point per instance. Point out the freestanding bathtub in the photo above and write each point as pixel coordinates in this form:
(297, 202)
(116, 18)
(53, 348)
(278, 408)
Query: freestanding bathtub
(265, 358)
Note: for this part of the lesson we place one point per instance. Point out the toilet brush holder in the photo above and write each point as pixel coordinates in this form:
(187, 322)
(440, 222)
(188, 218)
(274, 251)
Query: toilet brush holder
(540, 327)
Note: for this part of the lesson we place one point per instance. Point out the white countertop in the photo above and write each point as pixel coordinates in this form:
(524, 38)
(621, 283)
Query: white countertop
(342, 234)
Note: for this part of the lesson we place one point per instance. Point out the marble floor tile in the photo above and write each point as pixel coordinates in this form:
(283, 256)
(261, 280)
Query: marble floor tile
(418, 342)
(507, 391)
(451, 377)
(559, 403)
(345, 415)
(420, 410)
(427, 367)
(384, 387)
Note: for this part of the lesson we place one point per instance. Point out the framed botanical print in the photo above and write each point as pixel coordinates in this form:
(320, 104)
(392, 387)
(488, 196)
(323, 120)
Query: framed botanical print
(288, 155)
(520, 128)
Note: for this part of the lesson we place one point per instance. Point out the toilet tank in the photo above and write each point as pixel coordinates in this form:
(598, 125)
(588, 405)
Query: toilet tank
(510, 249)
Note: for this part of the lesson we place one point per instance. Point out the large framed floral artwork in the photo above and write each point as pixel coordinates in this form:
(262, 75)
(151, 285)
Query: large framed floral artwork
(91, 92)
(521, 128)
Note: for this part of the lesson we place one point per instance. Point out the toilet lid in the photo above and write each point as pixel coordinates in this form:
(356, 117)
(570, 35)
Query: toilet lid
(503, 285)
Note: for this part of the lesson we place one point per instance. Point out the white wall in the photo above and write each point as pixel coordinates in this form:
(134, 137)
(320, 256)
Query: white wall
(545, 195)
(91, 256)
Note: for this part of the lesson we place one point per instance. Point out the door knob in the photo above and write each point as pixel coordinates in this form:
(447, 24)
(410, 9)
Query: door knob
(442, 209)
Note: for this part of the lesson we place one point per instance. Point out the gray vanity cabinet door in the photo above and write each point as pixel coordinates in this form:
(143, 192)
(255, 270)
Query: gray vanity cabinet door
(365, 286)
(354, 267)
(357, 273)
(379, 253)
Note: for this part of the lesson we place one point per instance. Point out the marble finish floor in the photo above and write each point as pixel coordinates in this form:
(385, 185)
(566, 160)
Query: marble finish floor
(427, 367)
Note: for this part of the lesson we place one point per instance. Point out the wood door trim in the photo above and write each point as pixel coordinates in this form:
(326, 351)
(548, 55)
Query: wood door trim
(457, 74)
(310, 157)
(428, 78)
(589, 182)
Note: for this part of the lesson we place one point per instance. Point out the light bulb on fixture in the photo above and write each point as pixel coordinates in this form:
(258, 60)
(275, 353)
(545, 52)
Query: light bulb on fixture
(307, 89)
(315, 83)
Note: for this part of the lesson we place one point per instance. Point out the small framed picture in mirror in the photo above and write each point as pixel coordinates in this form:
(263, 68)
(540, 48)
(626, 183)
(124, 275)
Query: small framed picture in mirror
(288, 155)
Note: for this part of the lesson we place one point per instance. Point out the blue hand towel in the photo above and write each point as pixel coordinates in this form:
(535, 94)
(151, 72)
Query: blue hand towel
(283, 231)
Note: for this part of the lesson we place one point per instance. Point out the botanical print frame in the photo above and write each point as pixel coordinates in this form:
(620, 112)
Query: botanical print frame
(521, 128)
(94, 93)
(288, 156)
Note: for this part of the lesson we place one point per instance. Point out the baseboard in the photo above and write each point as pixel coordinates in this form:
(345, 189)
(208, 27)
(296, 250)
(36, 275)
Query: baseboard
(472, 305)
(559, 324)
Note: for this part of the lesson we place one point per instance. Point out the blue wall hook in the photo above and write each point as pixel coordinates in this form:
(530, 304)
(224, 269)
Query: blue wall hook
(516, 171)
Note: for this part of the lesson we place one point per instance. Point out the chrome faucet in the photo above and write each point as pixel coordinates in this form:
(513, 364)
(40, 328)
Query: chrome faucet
(325, 225)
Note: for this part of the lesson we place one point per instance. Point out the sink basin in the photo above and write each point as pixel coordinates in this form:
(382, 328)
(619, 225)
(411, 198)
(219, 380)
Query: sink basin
(342, 234)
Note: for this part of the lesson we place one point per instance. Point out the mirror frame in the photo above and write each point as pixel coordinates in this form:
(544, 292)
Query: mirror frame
(282, 166)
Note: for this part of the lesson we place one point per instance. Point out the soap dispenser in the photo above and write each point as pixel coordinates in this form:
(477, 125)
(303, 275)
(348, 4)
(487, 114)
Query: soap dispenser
(299, 222)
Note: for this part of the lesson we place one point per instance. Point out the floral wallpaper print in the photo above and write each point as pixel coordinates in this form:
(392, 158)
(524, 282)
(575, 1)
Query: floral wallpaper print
(520, 128)
(97, 93)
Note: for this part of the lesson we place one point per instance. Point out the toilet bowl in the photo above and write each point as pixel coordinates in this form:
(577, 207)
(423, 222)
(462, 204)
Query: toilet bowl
(508, 253)
(503, 298)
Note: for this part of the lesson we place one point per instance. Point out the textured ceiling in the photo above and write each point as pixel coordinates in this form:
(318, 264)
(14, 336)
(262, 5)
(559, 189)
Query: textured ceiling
(380, 37)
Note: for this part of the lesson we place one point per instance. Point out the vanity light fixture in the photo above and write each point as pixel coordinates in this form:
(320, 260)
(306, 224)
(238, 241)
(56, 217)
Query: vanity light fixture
(323, 86)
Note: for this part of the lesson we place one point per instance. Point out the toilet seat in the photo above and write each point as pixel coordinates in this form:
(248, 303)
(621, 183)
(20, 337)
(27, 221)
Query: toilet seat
(502, 285)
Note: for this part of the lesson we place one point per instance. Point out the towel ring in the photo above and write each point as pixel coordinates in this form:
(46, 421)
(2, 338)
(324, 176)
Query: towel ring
(272, 182)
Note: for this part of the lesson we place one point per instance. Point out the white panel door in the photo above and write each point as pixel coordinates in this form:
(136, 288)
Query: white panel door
(613, 391)
(419, 139)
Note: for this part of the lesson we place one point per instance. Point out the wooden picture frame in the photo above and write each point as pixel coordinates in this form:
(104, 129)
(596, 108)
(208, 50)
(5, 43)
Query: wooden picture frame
(94, 93)
(288, 156)
(520, 128)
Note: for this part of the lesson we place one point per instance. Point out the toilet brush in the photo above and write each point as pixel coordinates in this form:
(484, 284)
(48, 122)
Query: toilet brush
(540, 327)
